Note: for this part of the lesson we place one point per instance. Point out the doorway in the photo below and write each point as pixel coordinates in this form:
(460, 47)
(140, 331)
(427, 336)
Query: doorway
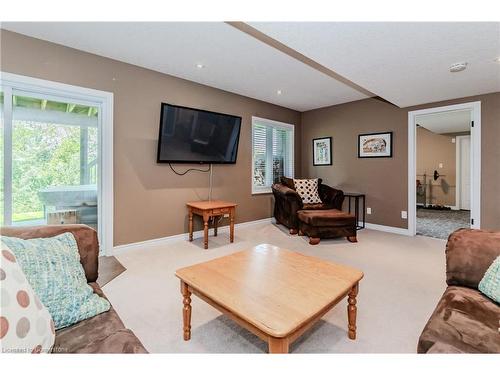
(444, 169)
(56, 142)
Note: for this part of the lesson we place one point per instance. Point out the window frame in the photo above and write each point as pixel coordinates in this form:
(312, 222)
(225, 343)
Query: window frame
(278, 125)
(14, 83)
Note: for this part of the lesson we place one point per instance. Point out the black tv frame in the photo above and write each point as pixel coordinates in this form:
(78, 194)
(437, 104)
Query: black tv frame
(189, 161)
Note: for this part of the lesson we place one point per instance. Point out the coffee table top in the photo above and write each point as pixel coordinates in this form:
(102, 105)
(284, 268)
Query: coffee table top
(274, 289)
(210, 205)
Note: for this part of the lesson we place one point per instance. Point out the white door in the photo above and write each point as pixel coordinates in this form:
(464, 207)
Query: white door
(465, 158)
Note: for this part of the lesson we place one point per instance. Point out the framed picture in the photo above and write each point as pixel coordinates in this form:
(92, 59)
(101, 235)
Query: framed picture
(322, 151)
(375, 145)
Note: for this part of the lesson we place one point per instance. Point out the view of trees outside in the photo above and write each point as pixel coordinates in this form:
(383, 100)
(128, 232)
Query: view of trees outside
(44, 155)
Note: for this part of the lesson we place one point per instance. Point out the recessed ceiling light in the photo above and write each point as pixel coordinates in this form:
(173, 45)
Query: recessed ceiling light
(279, 92)
(200, 66)
(458, 67)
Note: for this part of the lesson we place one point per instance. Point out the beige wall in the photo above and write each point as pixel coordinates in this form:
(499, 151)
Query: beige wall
(433, 149)
(149, 198)
(385, 180)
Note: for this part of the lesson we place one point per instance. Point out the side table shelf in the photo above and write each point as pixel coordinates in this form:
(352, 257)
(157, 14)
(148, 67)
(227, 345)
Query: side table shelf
(356, 197)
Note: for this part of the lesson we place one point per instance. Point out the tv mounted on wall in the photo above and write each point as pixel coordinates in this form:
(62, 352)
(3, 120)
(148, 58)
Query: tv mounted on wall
(189, 135)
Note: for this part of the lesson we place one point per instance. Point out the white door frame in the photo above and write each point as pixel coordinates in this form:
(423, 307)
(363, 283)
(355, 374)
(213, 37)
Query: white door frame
(475, 108)
(101, 99)
(458, 170)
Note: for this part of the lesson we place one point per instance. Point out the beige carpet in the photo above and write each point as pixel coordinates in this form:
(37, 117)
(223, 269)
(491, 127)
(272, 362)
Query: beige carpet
(404, 279)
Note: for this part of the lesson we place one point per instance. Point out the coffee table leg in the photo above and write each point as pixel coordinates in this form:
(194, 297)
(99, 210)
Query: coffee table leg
(278, 345)
(351, 311)
(186, 310)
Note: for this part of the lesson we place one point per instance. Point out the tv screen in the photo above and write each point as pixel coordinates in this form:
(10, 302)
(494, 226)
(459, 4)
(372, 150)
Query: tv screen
(189, 135)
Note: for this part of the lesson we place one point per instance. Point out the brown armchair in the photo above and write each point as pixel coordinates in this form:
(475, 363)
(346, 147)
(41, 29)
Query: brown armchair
(287, 202)
(465, 320)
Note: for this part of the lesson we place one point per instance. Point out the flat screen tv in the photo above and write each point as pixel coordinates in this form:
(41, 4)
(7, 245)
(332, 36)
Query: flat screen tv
(189, 135)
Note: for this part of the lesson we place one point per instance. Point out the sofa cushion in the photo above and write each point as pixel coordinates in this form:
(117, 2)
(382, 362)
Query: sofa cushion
(469, 253)
(288, 182)
(326, 218)
(308, 190)
(86, 238)
(73, 338)
(52, 266)
(464, 320)
(122, 341)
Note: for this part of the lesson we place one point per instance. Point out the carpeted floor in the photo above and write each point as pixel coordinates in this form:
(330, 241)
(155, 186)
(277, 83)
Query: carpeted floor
(440, 224)
(404, 279)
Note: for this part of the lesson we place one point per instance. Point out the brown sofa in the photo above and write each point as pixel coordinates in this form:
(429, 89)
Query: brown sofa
(465, 320)
(104, 333)
(287, 202)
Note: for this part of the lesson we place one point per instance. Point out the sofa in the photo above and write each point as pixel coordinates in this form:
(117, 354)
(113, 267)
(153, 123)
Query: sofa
(287, 202)
(104, 333)
(465, 320)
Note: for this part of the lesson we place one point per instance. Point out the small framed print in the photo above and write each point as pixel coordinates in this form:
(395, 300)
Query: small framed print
(322, 151)
(375, 145)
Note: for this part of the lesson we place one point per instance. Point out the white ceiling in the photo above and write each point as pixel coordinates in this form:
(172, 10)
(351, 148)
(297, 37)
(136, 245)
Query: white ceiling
(446, 122)
(404, 63)
(234, 61)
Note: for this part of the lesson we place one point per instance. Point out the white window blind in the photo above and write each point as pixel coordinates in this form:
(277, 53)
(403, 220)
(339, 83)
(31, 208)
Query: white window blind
(272, 153)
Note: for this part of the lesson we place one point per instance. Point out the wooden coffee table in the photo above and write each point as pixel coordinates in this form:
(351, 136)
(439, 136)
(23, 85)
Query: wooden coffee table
(277, 294)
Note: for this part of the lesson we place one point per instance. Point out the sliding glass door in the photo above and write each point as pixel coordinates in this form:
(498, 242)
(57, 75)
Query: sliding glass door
(51, 158)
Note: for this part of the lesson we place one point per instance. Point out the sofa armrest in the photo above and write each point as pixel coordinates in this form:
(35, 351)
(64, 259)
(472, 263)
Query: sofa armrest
(331, 197)
(469, 253)
(86, 239)
(281, 191)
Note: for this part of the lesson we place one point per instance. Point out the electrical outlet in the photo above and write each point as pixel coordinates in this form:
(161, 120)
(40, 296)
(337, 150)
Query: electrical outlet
(369, 210)
(440, 165)
(404, 214)
(453, 140)
(226, 215)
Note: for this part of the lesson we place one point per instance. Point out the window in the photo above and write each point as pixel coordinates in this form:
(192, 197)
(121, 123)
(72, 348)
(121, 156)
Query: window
(272, 153)
(53, 160)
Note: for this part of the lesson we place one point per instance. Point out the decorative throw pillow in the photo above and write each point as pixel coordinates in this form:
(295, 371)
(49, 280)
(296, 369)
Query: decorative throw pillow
(308, 190)
(52, 267)
(25, 324)
(490, 283)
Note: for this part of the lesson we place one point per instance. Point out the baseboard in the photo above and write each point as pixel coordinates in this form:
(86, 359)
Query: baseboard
(385, 228)
(120, 249)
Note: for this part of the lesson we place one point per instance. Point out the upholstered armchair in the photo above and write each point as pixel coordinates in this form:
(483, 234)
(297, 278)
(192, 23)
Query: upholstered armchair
(287, 202)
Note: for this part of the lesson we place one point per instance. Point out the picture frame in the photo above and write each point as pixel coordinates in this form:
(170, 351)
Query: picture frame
(322, 151)
(375, 145)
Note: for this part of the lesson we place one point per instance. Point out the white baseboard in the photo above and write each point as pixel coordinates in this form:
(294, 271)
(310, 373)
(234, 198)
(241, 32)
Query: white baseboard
(385, 228)
(182, 236)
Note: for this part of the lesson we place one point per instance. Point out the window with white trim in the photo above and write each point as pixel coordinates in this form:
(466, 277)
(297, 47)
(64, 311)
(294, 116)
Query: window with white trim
(272, 153)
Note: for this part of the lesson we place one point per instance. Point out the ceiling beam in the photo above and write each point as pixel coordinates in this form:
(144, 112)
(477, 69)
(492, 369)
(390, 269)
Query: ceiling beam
(264, 38)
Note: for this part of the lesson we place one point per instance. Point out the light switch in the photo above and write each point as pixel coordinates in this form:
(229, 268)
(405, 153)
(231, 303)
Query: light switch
(440, 165)
(404, 214)
(369, 210)
(453, 140)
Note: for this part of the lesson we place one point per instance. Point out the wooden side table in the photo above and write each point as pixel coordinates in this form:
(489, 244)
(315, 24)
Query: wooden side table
(357, 197)
(208, 209)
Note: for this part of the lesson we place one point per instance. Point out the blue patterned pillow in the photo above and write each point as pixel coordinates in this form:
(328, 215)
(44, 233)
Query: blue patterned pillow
(490, 283)
(52, 267)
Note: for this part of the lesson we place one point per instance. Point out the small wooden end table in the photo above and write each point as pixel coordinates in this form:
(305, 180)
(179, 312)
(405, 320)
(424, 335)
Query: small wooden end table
(274, 293)
(208, 209)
